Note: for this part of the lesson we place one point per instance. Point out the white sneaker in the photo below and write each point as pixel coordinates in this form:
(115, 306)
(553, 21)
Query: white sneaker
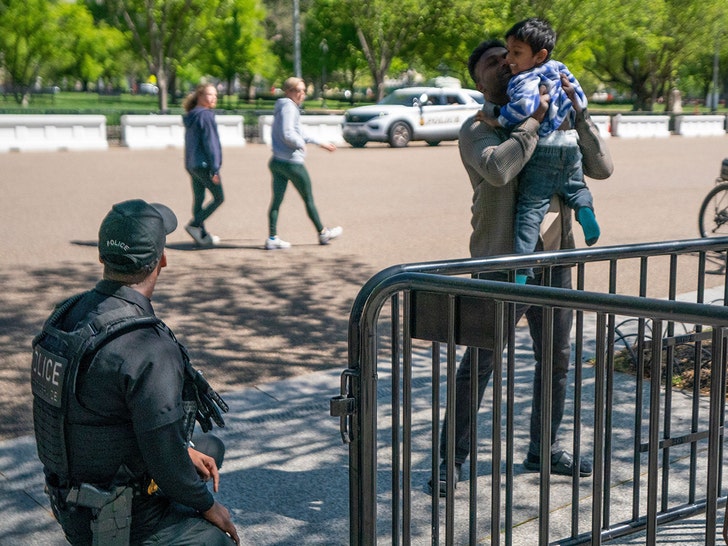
(196, 234)
(327, 234)
(211, 240)
(275, 243)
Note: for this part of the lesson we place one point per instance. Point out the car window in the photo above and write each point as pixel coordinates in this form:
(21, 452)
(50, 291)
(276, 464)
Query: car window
(434, 98)
(401, 99)
(477, 95)
(453, 99)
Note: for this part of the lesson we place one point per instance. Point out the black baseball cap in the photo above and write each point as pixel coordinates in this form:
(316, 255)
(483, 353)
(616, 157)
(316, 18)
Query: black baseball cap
(133, 234)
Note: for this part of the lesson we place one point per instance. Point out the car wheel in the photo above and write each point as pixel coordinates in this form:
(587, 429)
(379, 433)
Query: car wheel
(357, 142)
(400, 135)
(433, 142)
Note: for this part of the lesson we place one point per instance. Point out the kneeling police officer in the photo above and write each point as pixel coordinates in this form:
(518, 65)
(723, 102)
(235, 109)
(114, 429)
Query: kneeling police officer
(115, 400)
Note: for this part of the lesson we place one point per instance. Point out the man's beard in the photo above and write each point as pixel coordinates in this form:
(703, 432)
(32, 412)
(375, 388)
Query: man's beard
(503, 77)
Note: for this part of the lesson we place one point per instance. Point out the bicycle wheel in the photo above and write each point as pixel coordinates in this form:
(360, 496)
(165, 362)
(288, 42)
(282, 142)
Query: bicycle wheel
(713, 219)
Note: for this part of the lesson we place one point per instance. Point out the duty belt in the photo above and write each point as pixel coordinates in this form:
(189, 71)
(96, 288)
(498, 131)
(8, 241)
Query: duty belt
(110, 510)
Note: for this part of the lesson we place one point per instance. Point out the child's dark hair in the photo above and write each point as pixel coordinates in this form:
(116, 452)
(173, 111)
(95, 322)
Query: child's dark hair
(536, 32)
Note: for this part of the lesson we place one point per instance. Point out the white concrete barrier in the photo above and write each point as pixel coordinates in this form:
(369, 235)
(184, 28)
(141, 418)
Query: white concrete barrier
(39, 132)
(640, 126)
(326, 128)
(231, 130)
(604, 125)
(152, 131)
(708, 125)
(159, 131)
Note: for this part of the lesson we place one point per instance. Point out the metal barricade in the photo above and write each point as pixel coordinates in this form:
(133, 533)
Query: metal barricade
(657, 452)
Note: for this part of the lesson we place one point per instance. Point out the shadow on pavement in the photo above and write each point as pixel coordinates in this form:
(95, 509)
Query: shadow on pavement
(244, 320)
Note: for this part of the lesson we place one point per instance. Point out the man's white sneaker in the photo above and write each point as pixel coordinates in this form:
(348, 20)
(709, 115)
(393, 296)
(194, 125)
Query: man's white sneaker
(275, 243)
(327, 234)
(196, 234)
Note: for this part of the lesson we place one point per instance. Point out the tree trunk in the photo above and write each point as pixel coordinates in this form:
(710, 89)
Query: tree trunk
(173, 86)
(162, 83)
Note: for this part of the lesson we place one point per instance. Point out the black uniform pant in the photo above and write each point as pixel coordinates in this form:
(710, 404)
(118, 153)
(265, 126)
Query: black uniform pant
(176, 524)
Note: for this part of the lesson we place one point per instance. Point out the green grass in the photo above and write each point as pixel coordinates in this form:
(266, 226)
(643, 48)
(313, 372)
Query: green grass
(114, 106)
(81, 100)
(617, 108)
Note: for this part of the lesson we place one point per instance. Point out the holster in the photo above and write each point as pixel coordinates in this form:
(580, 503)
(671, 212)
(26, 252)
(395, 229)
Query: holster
(111, 510)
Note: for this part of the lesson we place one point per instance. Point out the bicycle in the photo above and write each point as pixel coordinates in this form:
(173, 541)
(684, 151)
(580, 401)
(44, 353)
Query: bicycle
(713, 218)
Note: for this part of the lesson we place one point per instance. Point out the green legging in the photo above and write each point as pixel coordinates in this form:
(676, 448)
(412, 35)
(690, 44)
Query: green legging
(284, 171)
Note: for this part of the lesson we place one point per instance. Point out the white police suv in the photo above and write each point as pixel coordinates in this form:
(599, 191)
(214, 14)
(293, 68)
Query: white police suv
(432, 114)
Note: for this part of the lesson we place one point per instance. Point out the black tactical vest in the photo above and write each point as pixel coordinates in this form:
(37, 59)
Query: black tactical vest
(58, 356)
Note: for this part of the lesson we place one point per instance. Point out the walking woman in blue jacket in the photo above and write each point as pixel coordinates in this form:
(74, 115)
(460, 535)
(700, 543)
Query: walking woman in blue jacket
(203, 158)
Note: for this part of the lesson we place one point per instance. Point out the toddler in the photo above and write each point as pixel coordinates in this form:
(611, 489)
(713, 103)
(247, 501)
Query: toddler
(555, 167)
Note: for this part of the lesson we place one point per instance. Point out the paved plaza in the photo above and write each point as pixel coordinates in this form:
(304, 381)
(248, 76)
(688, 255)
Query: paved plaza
(270, 328)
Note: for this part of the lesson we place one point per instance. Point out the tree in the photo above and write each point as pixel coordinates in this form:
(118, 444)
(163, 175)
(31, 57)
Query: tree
(159, 28)
(642, 44)
(94, 51)
(279, 31)
(454, 28)
(34, 42)
(330, 45)
(385, 30)
(574, 22)
(235, 43)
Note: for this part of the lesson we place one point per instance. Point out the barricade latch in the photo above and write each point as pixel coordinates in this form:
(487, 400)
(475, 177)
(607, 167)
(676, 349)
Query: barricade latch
(344, 406)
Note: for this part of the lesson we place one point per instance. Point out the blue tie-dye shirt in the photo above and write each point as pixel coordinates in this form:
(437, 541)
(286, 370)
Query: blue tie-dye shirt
(524, 94)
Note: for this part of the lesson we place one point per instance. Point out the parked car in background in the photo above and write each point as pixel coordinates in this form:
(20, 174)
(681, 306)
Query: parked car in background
(148, 89)
(477, 95)
(432, 114)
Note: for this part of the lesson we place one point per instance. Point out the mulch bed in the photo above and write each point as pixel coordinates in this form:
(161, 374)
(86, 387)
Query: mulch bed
(683, 364)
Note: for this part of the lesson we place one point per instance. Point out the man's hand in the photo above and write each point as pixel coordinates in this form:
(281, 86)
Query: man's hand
(543, 107)
(219, 516)
(570, 92)
(206, 467)
(330, 146)
(484, 118)
(216, 178)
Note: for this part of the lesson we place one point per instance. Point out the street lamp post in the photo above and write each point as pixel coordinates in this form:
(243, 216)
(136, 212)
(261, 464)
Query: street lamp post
(324, 51)
(296, 39)
(716, 82)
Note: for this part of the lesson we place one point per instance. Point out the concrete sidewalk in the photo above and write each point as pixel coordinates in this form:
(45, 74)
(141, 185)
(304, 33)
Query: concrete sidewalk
(285, 477)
